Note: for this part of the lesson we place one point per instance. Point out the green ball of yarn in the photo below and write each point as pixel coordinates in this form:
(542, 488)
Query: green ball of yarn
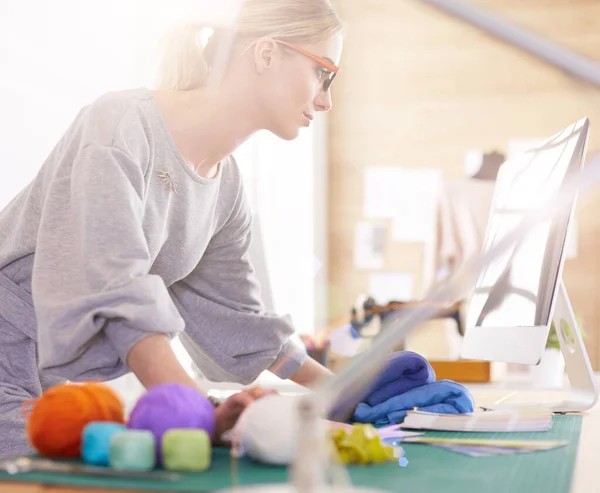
(186, 450)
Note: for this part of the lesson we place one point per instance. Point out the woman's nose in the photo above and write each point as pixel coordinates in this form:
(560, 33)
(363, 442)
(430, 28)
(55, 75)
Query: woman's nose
(323, 101)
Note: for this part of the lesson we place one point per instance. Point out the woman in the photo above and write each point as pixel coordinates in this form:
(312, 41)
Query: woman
(136, 228)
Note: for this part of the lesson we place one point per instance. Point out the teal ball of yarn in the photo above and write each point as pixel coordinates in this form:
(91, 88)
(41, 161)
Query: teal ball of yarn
(95, 441)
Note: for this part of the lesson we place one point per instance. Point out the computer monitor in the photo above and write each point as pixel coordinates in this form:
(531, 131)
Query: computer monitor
(517, 297)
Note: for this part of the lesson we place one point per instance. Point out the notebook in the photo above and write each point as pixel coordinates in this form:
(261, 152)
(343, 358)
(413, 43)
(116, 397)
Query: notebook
(533, 418)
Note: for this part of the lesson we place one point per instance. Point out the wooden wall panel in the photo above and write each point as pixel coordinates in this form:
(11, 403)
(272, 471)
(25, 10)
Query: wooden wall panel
(419, 87)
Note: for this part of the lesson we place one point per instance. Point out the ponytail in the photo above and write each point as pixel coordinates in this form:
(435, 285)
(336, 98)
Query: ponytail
(185, 59)
(182, 65)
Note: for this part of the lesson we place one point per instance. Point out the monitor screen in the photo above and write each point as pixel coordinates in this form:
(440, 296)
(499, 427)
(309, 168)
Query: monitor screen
(517, 290)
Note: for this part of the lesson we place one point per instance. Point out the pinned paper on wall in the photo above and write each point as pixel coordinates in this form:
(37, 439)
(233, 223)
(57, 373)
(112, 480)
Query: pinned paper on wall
(369, 241)
(406, 196)
(416, 209)
(401, 194)
(383, 185)
(391, 286)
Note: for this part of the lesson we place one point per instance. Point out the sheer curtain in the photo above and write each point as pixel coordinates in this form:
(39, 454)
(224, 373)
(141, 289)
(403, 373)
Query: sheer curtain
(281, 177)
(57, 56)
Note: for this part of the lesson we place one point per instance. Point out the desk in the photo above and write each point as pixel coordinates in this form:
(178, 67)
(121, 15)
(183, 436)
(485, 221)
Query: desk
(587, 463)
(586, 467)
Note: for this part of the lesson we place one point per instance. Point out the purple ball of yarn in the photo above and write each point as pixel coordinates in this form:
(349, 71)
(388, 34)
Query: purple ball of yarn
(170, 406)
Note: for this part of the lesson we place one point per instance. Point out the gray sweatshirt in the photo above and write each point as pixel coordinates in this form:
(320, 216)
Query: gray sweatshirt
(117, 238)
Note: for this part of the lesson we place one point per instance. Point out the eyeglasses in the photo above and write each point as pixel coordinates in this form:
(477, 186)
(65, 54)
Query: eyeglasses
(326, 64)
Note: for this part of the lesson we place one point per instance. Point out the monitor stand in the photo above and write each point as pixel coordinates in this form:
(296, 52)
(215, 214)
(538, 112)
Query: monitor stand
(582, 393)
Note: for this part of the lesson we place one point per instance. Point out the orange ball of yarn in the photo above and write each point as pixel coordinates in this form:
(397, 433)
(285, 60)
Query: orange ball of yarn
(57, 419)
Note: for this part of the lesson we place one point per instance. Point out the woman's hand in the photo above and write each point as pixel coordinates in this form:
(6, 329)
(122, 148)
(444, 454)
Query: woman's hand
(227, 413)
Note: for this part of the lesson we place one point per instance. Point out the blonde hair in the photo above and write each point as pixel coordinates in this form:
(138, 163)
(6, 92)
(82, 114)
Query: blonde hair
(187, 56)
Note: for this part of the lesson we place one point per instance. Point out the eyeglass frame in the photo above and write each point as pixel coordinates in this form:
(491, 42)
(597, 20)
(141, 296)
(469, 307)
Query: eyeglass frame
(334, 69)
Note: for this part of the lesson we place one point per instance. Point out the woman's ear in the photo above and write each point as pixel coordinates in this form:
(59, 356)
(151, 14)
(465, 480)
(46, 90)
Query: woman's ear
(265, 51)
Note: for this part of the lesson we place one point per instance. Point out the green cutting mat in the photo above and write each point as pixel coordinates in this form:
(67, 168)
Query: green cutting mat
(430, 469)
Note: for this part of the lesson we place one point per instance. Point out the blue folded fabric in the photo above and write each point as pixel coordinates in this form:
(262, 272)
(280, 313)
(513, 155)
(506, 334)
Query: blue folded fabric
(403, 371)
(441, 396)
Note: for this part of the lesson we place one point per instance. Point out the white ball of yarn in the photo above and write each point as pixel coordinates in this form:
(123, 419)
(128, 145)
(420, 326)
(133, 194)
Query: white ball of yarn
(268, 430)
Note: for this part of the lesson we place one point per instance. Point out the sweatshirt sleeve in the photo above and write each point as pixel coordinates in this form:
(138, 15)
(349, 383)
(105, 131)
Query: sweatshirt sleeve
(229, 335)
(93, 294)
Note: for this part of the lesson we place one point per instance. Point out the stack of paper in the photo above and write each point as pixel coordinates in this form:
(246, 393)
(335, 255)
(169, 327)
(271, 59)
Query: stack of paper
(533, 418)
(487, 447)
